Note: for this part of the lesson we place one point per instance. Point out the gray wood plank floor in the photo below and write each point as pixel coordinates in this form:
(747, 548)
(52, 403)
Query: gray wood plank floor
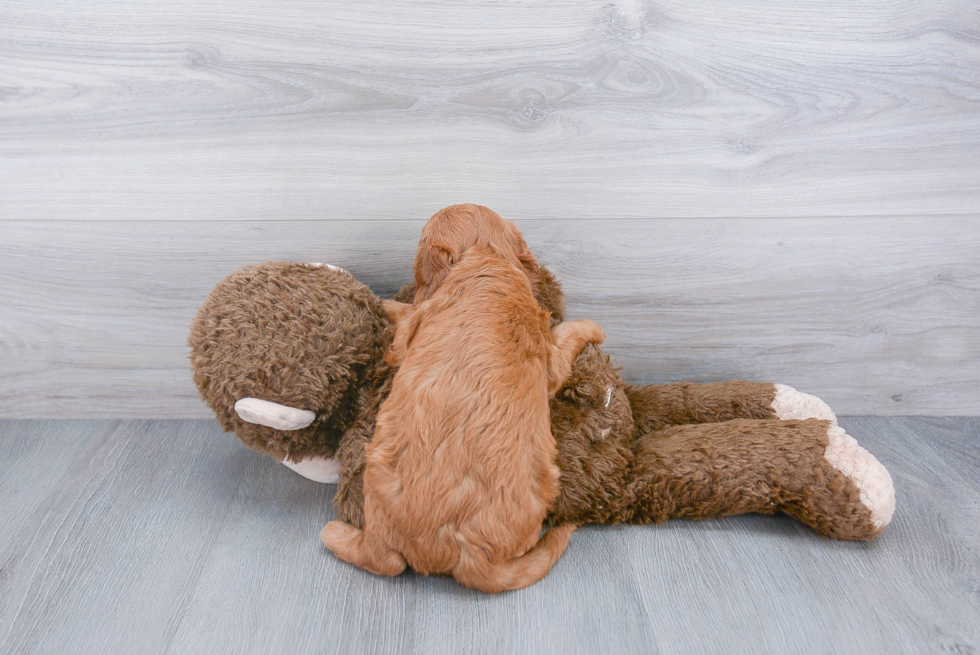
(167, 536)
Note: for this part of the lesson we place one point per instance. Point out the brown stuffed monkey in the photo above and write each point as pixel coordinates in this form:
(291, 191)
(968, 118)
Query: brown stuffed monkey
(290, 357)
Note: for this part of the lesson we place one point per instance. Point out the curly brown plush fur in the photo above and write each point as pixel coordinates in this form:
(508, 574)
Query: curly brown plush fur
(300, 335)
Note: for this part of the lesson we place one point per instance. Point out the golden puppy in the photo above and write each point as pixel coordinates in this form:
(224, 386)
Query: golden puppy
(461, 470)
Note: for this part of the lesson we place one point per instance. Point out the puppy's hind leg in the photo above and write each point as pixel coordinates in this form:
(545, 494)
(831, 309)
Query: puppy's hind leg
(476, 572)
(362, 549)
(570, 338)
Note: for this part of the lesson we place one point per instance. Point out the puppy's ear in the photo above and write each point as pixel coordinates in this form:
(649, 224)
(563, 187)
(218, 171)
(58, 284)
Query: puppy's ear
(530, 265)
(432, 265)
(397, 311)
(405, 322)
(518, 246)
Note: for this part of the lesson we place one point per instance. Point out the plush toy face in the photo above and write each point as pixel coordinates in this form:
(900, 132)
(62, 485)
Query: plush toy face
(288, 344)
(280, 352)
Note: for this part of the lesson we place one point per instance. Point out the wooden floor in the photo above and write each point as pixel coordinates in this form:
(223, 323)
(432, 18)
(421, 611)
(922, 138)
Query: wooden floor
(167, 536)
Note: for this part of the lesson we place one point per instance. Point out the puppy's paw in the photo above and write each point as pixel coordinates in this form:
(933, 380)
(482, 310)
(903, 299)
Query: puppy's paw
(579, 333)
(337, 535)
(591, 332)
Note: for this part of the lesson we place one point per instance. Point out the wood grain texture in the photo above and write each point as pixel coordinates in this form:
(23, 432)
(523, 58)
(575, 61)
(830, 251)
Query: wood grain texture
(169, 537)
(873, 315)
(34, 459)
(111, 554)
(309, 109)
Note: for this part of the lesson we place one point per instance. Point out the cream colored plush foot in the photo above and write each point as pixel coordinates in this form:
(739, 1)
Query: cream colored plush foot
(866, 472)
(792, 404)
(317, 469)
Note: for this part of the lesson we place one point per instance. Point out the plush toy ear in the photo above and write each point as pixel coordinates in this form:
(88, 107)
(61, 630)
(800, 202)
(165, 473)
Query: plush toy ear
(273, 415)
(283, 417)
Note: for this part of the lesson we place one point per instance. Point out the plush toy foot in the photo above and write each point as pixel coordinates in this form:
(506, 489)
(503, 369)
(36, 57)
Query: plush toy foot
(867, 473)
(318, 469)
(789, 403)
(843, 452)
(858, 508)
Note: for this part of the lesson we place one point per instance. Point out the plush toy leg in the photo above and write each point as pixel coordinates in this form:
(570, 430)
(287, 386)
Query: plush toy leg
(810, 470)
(682, 403)
(362, 549)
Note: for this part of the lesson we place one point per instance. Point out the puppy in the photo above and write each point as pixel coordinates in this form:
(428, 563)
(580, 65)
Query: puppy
(461, 470)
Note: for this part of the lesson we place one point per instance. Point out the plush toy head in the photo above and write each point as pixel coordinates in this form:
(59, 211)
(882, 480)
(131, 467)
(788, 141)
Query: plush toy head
(280, 350)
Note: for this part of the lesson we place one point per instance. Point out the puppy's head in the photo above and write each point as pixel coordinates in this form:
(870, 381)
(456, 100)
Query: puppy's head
(452, 231)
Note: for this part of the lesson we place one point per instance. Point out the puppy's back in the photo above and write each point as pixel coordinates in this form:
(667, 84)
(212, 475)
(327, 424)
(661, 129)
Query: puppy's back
(463, 455)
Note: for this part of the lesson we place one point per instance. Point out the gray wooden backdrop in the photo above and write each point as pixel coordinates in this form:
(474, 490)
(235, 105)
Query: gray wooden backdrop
(771, 191)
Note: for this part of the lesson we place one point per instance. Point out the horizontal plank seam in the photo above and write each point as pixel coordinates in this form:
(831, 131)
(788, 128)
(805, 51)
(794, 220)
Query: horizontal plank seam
(511, 217)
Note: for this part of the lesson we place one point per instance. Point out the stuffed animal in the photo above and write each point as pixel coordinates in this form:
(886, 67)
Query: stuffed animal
(291, 359)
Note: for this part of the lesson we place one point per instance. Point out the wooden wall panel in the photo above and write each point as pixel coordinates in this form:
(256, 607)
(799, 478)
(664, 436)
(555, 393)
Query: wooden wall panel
(315, 109)
(875, 315)
(147, 149)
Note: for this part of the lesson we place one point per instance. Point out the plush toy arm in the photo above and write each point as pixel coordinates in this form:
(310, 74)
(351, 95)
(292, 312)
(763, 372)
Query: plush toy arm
(352, 455)
(656, 407)
(810, 470)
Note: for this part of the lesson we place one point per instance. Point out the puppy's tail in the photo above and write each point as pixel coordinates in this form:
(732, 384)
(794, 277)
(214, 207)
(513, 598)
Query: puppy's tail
(475, 571)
